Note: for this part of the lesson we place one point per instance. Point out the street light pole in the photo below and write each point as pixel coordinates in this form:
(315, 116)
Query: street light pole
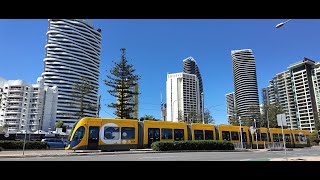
(241, 145)
(255, 126)
(24, 141)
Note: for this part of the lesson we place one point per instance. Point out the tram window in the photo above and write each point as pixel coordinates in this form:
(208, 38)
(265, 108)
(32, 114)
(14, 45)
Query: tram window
(166, 133)
(127, 133)
(244, 136)
(280, 137)
(178, 134)
(235, 135)
(94, 132)
(78, 135)
(198, 134)
(111, 133)
(226, 135)
(300, 137)
(264, 137)
(287, 136)
(258, 136)
(208, 135)
(275, 137)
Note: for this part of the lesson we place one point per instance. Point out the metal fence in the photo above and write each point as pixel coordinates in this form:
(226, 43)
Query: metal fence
(275, 145)
(266, 145)
(237, 145)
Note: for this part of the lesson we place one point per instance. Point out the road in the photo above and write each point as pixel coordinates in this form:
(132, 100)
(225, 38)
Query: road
(181, 156)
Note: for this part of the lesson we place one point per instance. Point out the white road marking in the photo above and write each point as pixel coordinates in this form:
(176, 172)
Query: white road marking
(159, 157)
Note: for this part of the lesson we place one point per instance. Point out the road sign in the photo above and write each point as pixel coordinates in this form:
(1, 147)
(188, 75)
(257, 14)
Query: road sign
(251, 129)
(6, 135)
(281, 119)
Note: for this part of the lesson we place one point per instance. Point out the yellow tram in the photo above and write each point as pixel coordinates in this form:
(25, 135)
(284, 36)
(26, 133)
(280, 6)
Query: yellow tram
(124, 134)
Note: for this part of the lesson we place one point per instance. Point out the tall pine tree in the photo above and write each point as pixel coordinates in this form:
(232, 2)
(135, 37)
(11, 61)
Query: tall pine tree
(122, 80)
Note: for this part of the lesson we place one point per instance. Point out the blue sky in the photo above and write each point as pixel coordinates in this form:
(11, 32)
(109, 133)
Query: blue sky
(157, 47)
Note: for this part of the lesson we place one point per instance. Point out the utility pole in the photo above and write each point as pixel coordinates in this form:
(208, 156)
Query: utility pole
(24, 141)
(240, 133)
(255, 126)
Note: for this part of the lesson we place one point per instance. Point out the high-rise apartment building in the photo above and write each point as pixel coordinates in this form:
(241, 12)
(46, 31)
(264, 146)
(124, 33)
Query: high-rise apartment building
(231, 106)
(245, 84)
(297, 91)
(27, 106)
(72, 52)
(190, 67)
(183, 97)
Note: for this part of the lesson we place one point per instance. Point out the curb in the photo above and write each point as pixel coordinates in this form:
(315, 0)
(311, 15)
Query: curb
(113, 153)
(288, 149)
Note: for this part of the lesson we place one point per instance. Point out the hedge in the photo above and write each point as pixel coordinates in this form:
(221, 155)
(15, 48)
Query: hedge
(192, 145)
(19, 145)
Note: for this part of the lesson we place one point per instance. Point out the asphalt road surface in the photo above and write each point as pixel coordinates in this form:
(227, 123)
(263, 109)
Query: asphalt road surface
(181, 156)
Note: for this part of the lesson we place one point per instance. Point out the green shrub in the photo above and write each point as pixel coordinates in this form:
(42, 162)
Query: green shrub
(192, 145)
(19, 145)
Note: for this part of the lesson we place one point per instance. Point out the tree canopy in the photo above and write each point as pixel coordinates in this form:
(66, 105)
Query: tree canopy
(121, 80)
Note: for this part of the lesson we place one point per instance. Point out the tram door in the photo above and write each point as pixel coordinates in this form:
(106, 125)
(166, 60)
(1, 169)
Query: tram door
(153, 135)
(93, 139)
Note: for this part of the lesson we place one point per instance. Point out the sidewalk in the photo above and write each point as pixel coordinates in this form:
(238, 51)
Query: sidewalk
(302, 158)
(53, 153)
(61, 152)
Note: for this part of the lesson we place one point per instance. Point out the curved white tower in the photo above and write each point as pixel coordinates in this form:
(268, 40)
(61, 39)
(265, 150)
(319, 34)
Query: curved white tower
(190, 66)
(245, 83)
(72, 50)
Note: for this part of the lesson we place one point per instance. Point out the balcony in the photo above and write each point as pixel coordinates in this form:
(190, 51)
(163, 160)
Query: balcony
(33, 123)
(15, 100)
(12, 116)
(12, 112)
(33, 107)
(14, 105)
(15, 95)
(13, 123)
